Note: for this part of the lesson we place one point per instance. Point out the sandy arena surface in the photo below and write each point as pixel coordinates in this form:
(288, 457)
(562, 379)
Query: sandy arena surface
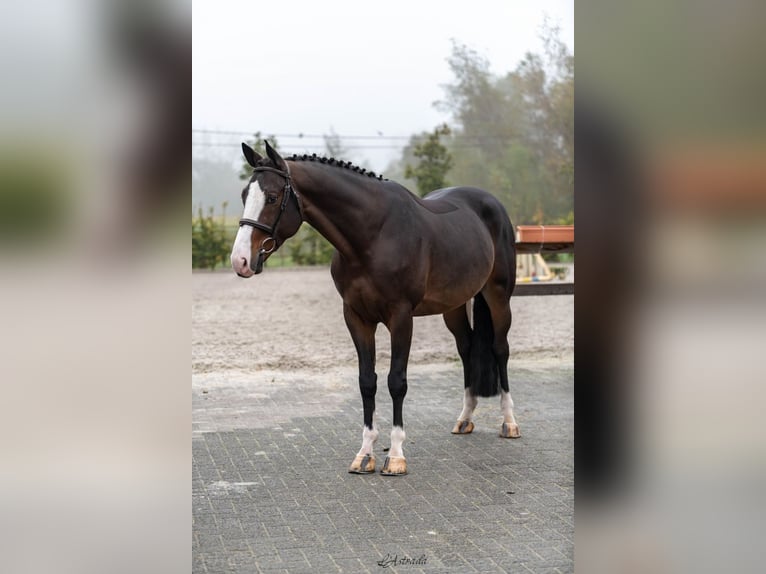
(293, 319)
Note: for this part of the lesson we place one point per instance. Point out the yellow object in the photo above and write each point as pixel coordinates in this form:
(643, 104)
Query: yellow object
(531, 267)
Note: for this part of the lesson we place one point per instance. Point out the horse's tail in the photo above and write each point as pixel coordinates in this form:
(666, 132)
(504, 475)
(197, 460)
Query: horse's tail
(484, 375)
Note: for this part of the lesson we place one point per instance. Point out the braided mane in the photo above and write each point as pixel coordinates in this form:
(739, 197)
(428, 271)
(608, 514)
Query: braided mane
(337, 163)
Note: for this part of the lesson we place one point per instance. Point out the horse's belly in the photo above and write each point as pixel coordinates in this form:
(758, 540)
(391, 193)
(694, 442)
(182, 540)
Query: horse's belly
(443, 297)
(455, 277)
(435, 307)
(442, 302)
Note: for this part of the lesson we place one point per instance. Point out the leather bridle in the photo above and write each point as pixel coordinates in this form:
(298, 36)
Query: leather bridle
(289, 191)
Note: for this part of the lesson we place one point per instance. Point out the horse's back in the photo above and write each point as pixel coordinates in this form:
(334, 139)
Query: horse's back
(438, 205)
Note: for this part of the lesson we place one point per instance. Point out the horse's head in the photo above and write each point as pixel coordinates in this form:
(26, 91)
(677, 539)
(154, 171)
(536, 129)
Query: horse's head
(272, 212)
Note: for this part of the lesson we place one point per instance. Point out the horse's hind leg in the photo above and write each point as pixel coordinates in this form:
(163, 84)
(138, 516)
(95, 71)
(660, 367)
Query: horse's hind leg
(497, 295)
(457, 322)
(363, 334)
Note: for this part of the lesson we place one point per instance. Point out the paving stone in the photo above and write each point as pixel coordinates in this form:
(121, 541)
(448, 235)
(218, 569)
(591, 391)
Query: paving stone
(278, 498)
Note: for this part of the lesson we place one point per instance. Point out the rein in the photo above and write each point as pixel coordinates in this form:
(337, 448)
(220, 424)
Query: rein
(289, 191)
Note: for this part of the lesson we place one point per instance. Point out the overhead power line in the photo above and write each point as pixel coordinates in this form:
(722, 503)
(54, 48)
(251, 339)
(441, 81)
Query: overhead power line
(306, 143)
(379, 136)
(303, 136)
(297, 146)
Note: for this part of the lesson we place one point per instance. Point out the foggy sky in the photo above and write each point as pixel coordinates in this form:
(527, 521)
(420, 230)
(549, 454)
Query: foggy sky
(355, 67)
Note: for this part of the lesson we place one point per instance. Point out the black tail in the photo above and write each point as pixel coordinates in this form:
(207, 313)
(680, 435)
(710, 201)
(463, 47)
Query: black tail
(483, 374)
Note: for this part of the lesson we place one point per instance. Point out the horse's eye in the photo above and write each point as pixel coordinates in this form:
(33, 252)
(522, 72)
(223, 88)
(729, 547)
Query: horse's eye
(271, 198)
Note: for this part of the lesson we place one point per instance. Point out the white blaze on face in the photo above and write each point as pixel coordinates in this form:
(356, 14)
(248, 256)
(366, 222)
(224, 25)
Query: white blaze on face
(242, 250)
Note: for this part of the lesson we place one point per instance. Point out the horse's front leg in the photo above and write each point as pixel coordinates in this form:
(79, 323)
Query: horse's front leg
(400, 326)
(363, 334)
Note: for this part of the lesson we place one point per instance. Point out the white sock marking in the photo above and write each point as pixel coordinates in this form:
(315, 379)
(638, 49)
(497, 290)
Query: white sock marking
(506, 403)
(369, 438)
(469, 404)
(397, 438)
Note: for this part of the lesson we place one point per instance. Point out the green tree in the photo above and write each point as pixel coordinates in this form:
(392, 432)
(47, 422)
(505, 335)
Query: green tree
(435, 162)
(513, 133)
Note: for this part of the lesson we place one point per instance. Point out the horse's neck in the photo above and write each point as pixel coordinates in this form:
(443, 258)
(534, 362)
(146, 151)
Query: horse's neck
(338, 207)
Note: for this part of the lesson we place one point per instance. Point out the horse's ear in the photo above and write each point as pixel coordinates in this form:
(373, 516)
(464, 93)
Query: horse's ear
(251, 155)
(274, 156)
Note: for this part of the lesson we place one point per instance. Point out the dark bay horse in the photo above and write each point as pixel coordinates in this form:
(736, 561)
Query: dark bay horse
(397, 256)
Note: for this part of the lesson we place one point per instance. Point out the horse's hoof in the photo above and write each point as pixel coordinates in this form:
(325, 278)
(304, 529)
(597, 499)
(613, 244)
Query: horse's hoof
(394, 466)
(463, 427)
(363, 464)
(510, 430)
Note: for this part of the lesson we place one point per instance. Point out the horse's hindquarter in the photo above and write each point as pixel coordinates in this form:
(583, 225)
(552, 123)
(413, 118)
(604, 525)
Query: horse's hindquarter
(461, 250)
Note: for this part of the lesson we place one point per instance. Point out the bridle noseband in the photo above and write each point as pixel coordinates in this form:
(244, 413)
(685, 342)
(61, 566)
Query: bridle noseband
(289, 190)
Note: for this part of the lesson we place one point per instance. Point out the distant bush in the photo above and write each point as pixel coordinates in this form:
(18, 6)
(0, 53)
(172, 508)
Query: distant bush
(210, 242)
(309, 248)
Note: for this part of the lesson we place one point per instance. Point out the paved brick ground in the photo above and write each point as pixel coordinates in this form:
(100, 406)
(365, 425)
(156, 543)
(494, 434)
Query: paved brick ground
(275, 496)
